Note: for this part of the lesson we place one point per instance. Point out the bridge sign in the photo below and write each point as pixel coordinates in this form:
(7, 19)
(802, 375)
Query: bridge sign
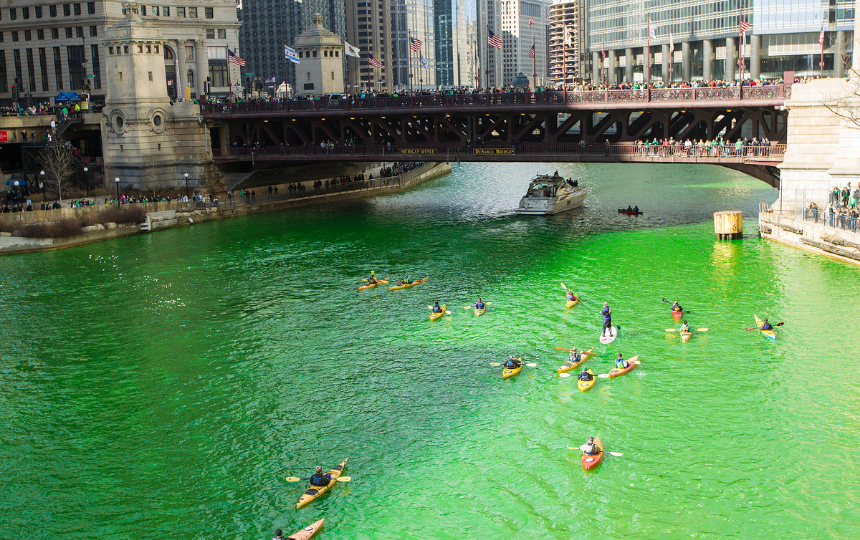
(417, 150)
(492, 151)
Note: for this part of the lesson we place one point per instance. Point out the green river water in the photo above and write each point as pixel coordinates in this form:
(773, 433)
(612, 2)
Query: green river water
(162, 386)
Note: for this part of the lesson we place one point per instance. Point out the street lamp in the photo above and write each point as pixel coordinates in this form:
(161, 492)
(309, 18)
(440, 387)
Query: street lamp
(116, 181)
(42, 184)
(87, 179)
(186, 185)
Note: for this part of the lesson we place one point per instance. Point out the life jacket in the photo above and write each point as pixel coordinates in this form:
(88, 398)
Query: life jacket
(319, 479)
(591, 448)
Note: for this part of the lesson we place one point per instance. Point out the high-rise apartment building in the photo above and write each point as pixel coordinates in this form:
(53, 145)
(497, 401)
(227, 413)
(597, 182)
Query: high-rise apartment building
(333, 12)
(566, 31)
(524, 25)
(783, 36)
(267, 25)
(413, 18)
(490, 58)
(368, 27)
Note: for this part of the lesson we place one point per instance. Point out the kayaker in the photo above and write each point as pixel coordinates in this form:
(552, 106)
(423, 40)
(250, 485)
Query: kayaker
(513, 363)
(685, 327)
(590, 448)
(766, 325)
(676, 306)
(575, 356)
(372, 279)
(279, 535)
(480, 304)
(620, 363)
(636, 209)
(437, 308)
(585, 375)
(629, 209)
(571, 296)
(320, 479)
(607, 318)
(406, 281)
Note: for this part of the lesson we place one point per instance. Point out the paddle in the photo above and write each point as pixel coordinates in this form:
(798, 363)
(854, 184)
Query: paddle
(447, 311)
(580, 352)
(606, 375)
(668, 302)
(777, 324)
(378, 280)
(339, 479)
(697, 329)
(529, 364)
(472, 306)
(616, 454)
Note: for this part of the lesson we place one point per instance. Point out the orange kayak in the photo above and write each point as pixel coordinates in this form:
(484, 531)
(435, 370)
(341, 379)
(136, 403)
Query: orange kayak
(591, 461)
(308, 531)
(631, 365)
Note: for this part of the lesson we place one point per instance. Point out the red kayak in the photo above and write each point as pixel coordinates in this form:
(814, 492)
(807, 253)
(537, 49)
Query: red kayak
(589, 462)
(677, 314)
(630, 212)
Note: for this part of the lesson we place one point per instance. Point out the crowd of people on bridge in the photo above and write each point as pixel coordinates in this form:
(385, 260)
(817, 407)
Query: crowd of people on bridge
(718, 147)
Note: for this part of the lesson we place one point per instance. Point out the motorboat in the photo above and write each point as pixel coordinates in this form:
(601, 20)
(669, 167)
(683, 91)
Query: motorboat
(552, 195)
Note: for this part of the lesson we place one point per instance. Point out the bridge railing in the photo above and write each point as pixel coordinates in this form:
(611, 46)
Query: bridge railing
(596, 152)
(453, 101)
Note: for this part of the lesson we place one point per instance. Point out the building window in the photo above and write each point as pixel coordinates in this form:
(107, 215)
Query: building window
(40, 34)
(25, 12)
(155, 49)
(31, 68)
(189, 78)
(1, 37)
(13, 13)
(110, 50)
(67, 10)
(150, 75)
(75, 62)
(155, 11)
(52, 10)
(94, 31)
(58, 69)
(143, 11)
(189, 52)
(97, 70)
(125, 49)
(148, 49)
(222, 33)
(55, 33)
(91, 8)
(218, 74)
(192, 13)
(39, 16)
(315, 54)
(77, 9)
(43, 68)
(180, 12)
(14, 35)
(210, 12)
(166, 11)
(210, 33)
(27, 35)
(140, 49)
(68, 32)
(79, 31)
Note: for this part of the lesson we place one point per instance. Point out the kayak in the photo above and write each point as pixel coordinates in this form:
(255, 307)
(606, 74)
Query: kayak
(437, 316)
(610, 337)
(407, 285)
(589, 462)
(631, 365)
(315, 491)
(307, 532)
(508, 373)
(570, 303)
(372, 285)
(586, 385)
(771, 334)
(677, 314)
(479, 312)
(685, 336)
(567, 366)
(630, 212)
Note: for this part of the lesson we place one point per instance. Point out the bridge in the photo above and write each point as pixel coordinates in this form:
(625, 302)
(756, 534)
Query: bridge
(593, 126)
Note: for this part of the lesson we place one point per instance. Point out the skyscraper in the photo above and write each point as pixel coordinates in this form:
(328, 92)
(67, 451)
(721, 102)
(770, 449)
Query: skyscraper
(333, 12)
(489, 19)
(415, 19)
(524, 25)
(369, 27)
(266, 26)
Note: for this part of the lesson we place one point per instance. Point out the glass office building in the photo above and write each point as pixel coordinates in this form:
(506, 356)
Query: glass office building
(704, 38)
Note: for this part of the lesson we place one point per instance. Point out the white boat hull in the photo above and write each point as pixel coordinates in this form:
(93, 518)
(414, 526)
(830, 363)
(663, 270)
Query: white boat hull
(545, 206)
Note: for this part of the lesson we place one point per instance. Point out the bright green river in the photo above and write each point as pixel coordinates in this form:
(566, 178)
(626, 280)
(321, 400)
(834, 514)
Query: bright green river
(163, 386)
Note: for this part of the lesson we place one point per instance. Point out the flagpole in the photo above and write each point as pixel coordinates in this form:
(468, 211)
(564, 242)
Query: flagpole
(410, 63)
(821, 39)
(488, 58)
(603, 60)
(671, 54)
(534, 63)
(741, 59)
(647, 78)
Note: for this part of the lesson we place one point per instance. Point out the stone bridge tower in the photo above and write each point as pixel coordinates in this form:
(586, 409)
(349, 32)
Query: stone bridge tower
(149, 142)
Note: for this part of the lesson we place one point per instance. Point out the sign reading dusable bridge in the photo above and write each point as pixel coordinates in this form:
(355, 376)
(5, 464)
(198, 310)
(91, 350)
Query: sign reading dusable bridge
(492, 151)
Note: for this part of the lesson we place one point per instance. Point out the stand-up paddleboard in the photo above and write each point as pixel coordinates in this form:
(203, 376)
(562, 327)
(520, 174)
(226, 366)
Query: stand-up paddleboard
(610, 336)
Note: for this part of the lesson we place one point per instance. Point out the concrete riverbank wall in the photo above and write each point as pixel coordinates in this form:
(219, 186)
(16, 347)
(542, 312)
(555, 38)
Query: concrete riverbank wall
(161, 216)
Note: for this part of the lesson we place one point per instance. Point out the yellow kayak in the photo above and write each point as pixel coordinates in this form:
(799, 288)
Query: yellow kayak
(437, 316)
(570, 303)
(372, 285)
(508, 373)
(479, 312)
(770, 334)
(406, 286)
(315, 491)
(685, 336)
(586, 385)
(583, 356)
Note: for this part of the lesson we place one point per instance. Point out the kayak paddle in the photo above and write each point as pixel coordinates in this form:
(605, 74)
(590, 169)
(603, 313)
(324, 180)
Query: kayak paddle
(472, 306)
(563, 286)
(616, 454)
(777, 324)
(529, 364)
(339, 479)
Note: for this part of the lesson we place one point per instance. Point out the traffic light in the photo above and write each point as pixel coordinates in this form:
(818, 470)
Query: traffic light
(14, 93)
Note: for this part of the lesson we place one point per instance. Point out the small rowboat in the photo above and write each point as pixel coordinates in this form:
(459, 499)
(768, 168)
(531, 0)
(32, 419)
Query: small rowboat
(583, 356)
(630, 212)
(508, 373)
(586, 385)
(479, 312)
(570, 303)
(407, 285)
(610, 336)
(437, 316)
(677, 314)
(372, 285)
(770, 334)
(315, 491)
(685, 336)
(631, 365)
(591, 461)
(308, 531)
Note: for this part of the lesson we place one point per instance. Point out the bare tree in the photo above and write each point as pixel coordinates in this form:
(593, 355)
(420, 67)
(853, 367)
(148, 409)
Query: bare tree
(58, 163)
(844, 100)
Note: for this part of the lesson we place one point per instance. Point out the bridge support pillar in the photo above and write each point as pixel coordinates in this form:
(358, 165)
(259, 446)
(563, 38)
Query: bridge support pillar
(731, 59)
(686, 64)
(755, 56)
(666, 62)
(839, 59)
(597, 64)
(708, 60)
(611, 72)
(628, 66)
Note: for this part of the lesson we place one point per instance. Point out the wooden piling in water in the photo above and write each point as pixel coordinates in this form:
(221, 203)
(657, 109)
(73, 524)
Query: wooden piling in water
(729, 225)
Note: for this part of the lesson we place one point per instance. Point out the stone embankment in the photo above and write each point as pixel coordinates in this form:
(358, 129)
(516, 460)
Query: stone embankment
(166, 215)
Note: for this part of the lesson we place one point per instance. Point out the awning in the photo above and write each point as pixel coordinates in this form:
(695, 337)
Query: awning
(19, 182)
(67, 96)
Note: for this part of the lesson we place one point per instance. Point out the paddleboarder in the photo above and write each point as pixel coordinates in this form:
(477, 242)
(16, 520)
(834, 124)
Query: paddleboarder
(607, 319)
(590, 448)
(320, 479)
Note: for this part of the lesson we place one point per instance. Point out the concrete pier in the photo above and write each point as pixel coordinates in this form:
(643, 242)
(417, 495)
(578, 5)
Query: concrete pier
(729, 225)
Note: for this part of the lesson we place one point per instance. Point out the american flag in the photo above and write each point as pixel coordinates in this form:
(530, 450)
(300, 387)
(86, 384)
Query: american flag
(531, 22)
(373, 61)
(532, 52)
(494, 40)
(744, 27)
(234, 58)
(414, 44)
